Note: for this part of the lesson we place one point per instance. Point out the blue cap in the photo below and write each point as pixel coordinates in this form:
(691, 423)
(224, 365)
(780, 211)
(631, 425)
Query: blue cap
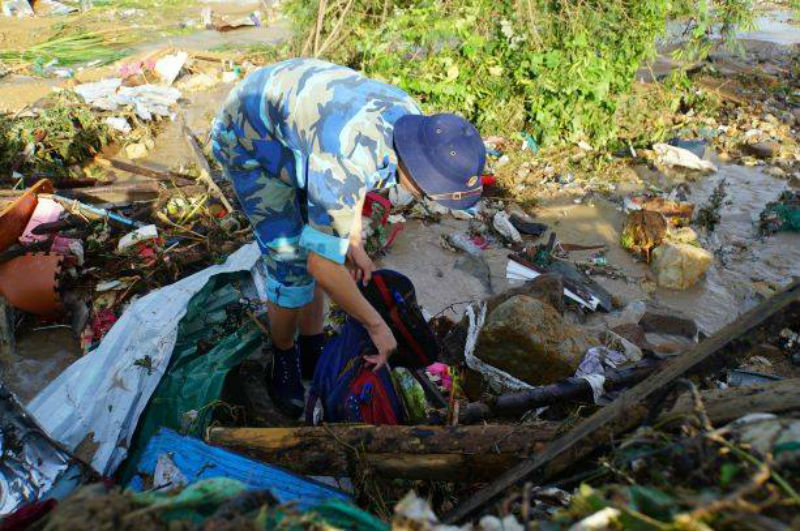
(444, 155)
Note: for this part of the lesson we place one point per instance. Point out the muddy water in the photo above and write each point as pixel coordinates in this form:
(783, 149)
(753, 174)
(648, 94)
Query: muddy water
(42, 355)
(745, 267)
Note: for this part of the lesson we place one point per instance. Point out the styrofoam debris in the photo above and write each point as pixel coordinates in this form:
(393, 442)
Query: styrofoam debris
(169, 67)
(148, 232)
(118, 123)
(676, 156)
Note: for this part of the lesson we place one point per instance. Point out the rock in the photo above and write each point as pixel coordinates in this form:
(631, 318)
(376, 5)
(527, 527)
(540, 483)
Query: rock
(635, 334)
(136, 151)
(681, 235)
(680, 265)
(663, 321)
(531, 341)
(548, 288)
(776, 171)
(794, 181)
(762, 150)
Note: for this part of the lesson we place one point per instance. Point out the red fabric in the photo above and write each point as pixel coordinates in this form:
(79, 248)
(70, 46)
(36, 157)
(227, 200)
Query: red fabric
(377, 409)
(369, 202)
(26, 516)
(488, 180)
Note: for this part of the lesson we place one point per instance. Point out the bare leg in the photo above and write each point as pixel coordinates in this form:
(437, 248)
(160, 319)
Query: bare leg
(283, 324)
(312, 316)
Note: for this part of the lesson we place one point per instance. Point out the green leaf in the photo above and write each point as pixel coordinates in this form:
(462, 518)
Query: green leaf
(653, 502)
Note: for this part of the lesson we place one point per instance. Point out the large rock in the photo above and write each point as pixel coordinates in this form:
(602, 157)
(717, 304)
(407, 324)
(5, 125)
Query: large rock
(528, 339)
(680, 265)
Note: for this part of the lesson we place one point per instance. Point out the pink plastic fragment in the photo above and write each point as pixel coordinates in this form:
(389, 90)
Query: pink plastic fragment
(47, 211)
(442, 373)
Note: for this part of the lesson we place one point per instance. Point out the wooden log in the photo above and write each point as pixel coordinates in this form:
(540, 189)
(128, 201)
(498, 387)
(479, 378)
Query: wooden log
(633, 407)
(413, 452)
(179, 179)
(725, 405)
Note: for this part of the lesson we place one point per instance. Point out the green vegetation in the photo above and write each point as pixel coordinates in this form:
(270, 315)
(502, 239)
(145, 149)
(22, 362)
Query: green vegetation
(556, 69)
(70, 47)
(63, 134)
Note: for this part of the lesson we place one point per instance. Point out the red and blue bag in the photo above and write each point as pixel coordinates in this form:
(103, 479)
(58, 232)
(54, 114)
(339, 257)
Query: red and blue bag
(347, 389)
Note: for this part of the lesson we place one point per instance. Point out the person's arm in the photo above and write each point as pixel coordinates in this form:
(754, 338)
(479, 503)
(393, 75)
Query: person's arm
(342, 289)
(336, 193)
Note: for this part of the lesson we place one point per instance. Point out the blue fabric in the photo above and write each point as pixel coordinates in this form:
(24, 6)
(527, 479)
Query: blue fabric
(302, 142)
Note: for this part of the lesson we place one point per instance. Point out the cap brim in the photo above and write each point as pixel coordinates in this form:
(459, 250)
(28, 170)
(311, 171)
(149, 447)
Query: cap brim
(411, 149)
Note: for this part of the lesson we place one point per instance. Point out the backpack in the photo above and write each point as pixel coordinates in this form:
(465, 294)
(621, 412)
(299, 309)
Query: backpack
(393, 295)
(346, 387)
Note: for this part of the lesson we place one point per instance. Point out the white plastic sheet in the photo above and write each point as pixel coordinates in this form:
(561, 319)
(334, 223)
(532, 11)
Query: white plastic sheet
(146, 100)
(95, 404)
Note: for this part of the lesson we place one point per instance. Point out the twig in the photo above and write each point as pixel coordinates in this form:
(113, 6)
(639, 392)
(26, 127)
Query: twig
(323, 4)
(335, 29)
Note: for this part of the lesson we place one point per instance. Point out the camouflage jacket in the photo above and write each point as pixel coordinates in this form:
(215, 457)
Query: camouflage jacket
(322, 128)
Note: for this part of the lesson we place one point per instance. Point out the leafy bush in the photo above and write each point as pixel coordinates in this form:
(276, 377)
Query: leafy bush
(554, 68)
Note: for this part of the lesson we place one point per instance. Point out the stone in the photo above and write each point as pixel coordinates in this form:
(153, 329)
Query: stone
(681, 235)
(136, 151)
(762, 150)
(679, 265)
(528, 339)
(776, 171)
(662, 321)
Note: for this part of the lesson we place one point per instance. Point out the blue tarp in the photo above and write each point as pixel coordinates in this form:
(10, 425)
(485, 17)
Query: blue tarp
(197, 460)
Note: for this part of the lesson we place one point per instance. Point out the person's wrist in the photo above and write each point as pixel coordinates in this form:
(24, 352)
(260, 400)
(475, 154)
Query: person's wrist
(374, 323)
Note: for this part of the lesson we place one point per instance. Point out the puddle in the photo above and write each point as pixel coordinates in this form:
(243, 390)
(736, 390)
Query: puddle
(205, 40)
(42, 355)
(776, 27)
(743, 259)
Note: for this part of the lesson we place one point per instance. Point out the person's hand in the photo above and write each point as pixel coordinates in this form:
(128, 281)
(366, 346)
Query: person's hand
(361, 266)
(384, 341)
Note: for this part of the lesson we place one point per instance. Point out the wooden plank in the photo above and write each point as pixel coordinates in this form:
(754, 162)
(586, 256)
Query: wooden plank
(632, 407)
(725, 405)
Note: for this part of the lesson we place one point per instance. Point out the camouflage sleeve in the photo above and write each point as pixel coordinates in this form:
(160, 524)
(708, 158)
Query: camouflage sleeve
(335, 187)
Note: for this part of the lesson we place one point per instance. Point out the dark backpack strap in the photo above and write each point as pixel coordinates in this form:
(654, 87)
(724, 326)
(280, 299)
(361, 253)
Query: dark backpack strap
(391, 306)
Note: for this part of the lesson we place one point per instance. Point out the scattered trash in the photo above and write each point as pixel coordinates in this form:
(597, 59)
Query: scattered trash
(119, 124)
(146, 100)
(502, 224)
(643, 231)
(212, 20)
(107, 392)
(34, 468)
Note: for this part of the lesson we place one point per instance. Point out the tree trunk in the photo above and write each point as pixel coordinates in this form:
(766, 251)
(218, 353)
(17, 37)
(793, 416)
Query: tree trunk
(453, 453)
